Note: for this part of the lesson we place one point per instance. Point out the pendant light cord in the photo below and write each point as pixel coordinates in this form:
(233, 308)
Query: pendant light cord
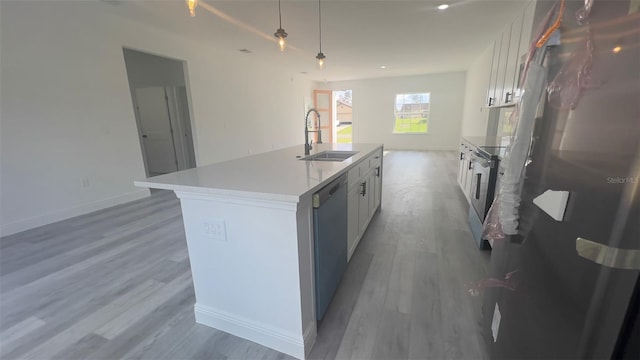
(320, 24)
(279, 14)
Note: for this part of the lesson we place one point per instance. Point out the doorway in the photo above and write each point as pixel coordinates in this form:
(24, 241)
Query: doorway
(322, 102)
(161, 108)
(343, 113)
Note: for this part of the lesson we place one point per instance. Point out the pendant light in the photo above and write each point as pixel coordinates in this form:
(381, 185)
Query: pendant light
(280, 33)
(320, 55)
(192, 4)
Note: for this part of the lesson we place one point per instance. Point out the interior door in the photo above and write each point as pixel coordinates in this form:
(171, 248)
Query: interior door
(322, 102)
(181, 126)
(185, 120)
(156, 132)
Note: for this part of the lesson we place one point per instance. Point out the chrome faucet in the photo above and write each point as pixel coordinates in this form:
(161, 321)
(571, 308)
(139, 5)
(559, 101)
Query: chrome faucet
(307, 144)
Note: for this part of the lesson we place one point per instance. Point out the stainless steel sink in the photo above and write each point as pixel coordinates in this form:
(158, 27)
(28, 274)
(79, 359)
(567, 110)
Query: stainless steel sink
(330, 156)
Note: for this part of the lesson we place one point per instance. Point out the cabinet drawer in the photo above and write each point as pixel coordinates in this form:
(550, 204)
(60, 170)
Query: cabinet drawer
(355, 175)
(375, 159)
(365, 165)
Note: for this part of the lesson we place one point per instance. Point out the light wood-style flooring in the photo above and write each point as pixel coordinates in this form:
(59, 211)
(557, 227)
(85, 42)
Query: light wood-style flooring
(116, 283)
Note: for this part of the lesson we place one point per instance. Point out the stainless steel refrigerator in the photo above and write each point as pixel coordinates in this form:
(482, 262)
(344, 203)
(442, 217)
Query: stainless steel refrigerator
(568, 287)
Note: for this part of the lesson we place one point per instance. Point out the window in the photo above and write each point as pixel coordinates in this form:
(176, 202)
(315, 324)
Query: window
(343, 113)
(411, 113)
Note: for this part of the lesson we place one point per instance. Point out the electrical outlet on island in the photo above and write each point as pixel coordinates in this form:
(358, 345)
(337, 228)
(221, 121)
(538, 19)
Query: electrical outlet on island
(215, 229)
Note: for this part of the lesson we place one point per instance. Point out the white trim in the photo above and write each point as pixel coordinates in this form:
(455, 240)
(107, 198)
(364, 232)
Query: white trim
(51, 217)
(310, 336)
(208, 191)
(267, 335)
(410, 133)
(269, 204)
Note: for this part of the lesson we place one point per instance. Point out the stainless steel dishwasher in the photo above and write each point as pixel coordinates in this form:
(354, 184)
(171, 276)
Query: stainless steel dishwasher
(330, 238)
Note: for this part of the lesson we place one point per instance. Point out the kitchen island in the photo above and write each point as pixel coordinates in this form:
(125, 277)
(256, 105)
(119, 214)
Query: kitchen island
(249, 230)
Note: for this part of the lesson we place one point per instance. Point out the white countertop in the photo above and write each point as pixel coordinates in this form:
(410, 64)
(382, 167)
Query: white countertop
(275, 175)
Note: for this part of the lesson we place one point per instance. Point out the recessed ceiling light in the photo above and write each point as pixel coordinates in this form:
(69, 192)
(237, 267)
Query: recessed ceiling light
(617, 49)
(383, 66)
(443, 7)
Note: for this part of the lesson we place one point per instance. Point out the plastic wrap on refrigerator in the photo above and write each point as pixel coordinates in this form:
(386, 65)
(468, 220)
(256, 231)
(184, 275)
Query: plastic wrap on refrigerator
(502, 218)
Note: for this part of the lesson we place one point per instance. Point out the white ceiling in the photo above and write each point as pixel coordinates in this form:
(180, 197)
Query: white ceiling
(358, 36)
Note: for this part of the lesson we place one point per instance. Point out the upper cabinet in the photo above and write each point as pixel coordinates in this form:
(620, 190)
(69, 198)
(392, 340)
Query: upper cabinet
(502, 65)
(513, 56)
(493, 77)
(509, 55)
(525, 44)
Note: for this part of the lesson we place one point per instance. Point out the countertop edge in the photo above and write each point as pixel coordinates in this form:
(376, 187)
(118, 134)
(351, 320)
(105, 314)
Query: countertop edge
(263, 196)
(220, 192)
(481, 146)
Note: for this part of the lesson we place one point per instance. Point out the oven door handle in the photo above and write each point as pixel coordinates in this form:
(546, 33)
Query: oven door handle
(479, 177)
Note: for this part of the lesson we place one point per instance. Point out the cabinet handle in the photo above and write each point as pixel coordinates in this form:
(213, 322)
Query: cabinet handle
(363, 188)
(507, 97)
(491, 101)
(470, 165)
(378, 171)
(478, 186)
(461, 155)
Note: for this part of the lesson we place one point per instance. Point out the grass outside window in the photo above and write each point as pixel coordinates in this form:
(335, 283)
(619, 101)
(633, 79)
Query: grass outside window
(411, 113)
(410, 126)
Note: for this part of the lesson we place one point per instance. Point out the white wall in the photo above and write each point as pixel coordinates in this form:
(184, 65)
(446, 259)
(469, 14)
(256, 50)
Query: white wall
(373, 109)
(67, 116)
(476, 113)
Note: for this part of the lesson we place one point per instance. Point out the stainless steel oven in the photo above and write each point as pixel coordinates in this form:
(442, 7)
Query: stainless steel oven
(483, 183)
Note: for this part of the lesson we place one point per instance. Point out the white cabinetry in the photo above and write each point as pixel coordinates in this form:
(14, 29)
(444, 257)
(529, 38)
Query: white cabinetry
(509, 87)
(468, 169)
(462, 168)
(502, 65)
(493, 75)
(353, 210)
(363, 205)
(376, 188)
(508, 57)
(365, 193)
(525, 44)
(465, 170)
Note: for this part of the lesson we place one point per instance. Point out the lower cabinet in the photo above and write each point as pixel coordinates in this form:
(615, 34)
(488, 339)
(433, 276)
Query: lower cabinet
(353, 226)
(363, 205)
(468, 178)
(465, 170)
(376, 188)
(365, 193)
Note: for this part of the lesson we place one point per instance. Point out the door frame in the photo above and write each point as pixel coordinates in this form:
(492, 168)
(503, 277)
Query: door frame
(180, 108)
(329, 128)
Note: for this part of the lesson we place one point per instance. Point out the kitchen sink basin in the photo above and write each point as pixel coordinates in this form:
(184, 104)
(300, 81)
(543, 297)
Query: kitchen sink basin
(330, 156)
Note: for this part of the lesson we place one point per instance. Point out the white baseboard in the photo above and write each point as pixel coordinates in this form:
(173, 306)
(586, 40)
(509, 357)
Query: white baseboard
(263, 334)
(48, 218)
(310, 335)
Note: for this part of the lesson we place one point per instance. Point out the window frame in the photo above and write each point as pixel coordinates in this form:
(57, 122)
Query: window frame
(396, 112)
